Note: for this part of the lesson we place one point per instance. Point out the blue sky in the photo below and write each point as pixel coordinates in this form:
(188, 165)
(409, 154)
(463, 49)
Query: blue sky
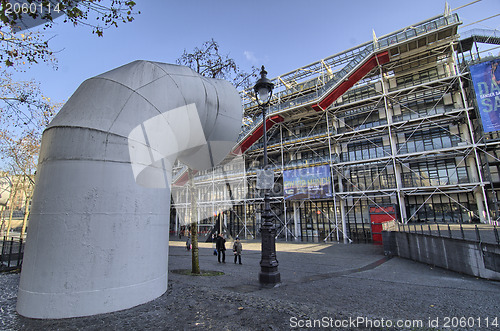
(282, 35)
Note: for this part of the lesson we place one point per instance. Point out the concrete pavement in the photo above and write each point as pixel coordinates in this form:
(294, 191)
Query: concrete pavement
(324, 286)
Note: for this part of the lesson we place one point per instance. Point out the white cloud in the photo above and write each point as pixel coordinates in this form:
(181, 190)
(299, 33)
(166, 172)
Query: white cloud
(250, 56)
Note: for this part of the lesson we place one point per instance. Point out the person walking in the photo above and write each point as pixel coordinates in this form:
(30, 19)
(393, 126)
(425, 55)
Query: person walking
(237, 248)
(188, 243)
(221, 248)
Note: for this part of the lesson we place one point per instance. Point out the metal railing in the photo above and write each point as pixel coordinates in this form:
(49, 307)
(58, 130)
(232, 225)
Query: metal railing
(484, 233)
(360, 232)
(487, 33)
(12, 254)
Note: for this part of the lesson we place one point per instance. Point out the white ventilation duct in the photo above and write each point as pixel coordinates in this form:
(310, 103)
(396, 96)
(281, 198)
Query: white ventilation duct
(99, 223)
(5, 190)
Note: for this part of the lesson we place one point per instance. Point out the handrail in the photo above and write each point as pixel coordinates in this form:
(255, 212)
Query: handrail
(480, 32)
(362, 56)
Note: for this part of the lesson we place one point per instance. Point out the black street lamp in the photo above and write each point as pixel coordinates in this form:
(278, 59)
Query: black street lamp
(269, 273)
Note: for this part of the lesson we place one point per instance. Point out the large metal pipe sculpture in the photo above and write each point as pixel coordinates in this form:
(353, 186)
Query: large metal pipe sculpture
(99, 224)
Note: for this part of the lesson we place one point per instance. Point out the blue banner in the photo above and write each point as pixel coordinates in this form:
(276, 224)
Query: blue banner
(486, 80)
(307, 183)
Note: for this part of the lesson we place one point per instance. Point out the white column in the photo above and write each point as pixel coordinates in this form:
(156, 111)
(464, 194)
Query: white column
(394, 152)
(471, 165)
(296, 218)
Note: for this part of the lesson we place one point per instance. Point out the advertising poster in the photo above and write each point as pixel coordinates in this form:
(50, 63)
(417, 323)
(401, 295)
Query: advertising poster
(304, 183)
(486, 80)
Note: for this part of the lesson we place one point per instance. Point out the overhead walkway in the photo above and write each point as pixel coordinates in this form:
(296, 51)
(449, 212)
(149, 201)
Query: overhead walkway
(362, 63)
(484, 36)
(338, 86)
(251, 137)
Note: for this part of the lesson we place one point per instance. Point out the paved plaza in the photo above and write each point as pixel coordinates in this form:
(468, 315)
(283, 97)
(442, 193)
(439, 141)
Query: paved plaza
(324, 286)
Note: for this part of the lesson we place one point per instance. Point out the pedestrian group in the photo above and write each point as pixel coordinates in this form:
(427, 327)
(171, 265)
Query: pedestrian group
(220, 249)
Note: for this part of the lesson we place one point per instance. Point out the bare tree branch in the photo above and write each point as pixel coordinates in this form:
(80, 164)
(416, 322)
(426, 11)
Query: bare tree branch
(209, 62)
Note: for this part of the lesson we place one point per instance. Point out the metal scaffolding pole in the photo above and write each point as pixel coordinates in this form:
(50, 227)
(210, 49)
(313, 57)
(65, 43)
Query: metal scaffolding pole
(330, 161)
(397, 168)
(474, 147)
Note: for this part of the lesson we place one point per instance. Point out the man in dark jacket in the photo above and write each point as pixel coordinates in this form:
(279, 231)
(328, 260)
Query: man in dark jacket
(220, 245)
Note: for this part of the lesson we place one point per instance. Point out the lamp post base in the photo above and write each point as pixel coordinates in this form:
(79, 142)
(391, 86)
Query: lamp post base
(270, 276)
(269, 273)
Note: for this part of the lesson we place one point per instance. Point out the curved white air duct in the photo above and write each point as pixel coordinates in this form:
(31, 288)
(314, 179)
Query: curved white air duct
(5, 190)
(99, 224)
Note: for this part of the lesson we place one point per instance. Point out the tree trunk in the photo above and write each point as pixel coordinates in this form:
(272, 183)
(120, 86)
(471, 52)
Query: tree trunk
(9, 222)
(195, 261)
(12, 198)
(2, 217)
(26, 215)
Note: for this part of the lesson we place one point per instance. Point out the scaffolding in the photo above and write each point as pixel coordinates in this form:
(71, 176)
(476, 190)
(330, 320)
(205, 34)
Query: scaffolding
(393, 118)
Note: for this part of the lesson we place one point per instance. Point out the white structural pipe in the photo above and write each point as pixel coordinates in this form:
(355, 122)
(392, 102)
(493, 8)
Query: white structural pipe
(99, 223)
(5, 190)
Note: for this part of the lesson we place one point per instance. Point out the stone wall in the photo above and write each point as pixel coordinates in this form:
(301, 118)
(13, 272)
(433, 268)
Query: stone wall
(464, 256)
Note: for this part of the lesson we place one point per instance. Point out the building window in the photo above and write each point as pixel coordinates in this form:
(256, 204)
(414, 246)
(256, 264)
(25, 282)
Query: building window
(369, 179)
(434, 173)
(421, 105)
(417, 78)
(365, 150)
(452, 208)
(426, 140)
(363, 121)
